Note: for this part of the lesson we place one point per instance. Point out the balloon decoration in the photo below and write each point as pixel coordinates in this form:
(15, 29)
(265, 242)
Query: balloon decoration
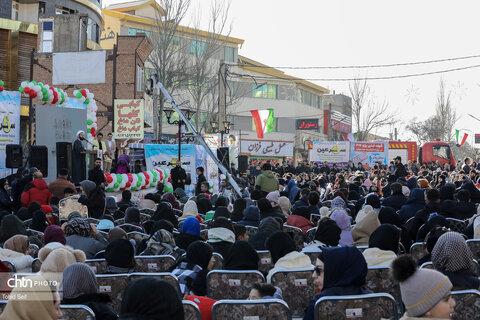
(136, 181)
(86, 97)
(44, 92)
(2, 84)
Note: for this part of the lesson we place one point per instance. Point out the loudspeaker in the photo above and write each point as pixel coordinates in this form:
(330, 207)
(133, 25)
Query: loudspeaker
(14, 156)
(242, 163)
(64, 156)
(222, 155)
(39, 159)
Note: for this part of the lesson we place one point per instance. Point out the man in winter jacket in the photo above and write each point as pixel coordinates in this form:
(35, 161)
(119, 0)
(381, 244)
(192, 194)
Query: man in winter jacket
(400, 171)
(36, 191)
(397, 199)
(267, 180)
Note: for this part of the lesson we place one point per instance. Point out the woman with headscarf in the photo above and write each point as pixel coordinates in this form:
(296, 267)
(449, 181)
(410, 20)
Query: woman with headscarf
(292, 190)
(78, 232)
(343, 222)
(6, 202)
(17, 252)
(42, 301)
(132, 216)
(164, 301)
(366, 224)
(284, 254)
(239, 207)
(341, 271)
(192, 273)
(164, 211)
(11, 225)
(39, 222)
(120, 256)
(79, 286)
(123, 164)
(266, 210)
(300, 218)
(204, 205)
(110, 206)
(172, 200)
(162, 243)
(415, 202)
(189, 210)
(453, 258)
(54, 234)
(382, 246)
(221, 235)
(251, 217)
(266, 228)
(285, 205)
(388, 215)
(190, 233)
(241, 256)
(92, 197)
(181, 196)
(327, 235)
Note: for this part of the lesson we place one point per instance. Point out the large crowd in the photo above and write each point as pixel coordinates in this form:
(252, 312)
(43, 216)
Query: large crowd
(350, 216)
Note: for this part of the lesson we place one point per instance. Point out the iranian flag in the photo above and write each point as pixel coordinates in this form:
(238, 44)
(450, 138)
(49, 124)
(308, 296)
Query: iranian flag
(264, 121)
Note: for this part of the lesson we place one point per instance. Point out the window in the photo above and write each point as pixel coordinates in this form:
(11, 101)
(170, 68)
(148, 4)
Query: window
(140, 79)
(15, 10)
(133, 32)
(229, 54)
(62, 10)
(198, 48)
(441, 151)
(266, 91)
(47, 36)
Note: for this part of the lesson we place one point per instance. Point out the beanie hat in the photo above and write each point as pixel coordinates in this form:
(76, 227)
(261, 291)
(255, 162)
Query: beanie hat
(192, 226)
(105, 224)
(421, 289)
(78, 226)
(54, 234)
(78, 279)
(324, 212)
(116, 233)
(274, 197)
(47, 209)
(57, 259)
(119, 253)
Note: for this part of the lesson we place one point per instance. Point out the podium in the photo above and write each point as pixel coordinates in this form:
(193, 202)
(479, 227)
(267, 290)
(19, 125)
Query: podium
(91, 156)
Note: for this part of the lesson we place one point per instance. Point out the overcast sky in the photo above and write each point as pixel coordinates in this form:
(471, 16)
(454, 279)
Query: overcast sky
(369, 32)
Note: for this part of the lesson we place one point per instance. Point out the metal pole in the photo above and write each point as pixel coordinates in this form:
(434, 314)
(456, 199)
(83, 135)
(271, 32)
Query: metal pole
(179, 139)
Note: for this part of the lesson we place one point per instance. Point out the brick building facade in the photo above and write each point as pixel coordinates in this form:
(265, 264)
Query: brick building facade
(122, 66)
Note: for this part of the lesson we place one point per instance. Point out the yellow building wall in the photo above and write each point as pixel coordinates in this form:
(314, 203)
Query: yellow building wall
(111, 29)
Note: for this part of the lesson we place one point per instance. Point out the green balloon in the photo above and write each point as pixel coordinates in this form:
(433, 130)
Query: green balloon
(89, 122)
(45, 98)
(87, 101)
(119, 178)
(34, 83)
(110, 190)
(20, 89)
(139, 184)
(154, 179)
(44, 91)
(139, 177)
(116, 185)
(89, 131)
(79, 95)
(2, 83)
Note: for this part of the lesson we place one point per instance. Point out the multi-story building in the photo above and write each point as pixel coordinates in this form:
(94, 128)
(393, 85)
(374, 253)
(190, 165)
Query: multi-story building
(19, 37)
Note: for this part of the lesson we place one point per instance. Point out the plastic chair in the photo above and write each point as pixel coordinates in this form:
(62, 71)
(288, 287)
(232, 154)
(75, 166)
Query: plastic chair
(232, 284)
(160, 263)
(265, 309)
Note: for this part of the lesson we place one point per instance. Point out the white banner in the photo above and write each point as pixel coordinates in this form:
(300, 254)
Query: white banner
(330, 151)
(10, 125)
(265, 148)
(85, 67)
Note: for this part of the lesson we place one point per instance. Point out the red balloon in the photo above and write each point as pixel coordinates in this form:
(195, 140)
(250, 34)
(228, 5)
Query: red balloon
(130, 177)
(122, 189)
(32, 94)
(108, 177)
(128, 184)
(1, 88)
(26, 90)
(83, 92)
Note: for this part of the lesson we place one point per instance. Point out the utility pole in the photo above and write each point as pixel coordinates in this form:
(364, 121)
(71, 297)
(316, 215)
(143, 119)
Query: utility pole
(222, 98)
(396, 134)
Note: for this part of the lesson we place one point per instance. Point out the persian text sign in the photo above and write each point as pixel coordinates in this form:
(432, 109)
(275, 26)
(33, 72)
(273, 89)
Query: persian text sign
(306, 124)
(129, 119)
(330, 151)
(369, 153)
(267, 148)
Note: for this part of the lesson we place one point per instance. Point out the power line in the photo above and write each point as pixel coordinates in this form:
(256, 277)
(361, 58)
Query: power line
(357, 66)
(411, 75)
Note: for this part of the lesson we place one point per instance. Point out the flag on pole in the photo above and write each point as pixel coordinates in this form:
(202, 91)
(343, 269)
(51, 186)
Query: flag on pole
(264, 121)
(350, 136)
(464, 139)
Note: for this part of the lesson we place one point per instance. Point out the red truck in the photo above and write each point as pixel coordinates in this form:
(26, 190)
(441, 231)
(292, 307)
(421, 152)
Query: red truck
(430, 151)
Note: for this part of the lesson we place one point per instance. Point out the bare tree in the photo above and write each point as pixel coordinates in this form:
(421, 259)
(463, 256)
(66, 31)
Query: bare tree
(368, 114)
(440, 125)
(169, 58)
(206, 52)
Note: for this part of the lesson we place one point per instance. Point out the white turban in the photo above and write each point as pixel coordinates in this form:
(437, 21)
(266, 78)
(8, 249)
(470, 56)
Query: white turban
(80, 131)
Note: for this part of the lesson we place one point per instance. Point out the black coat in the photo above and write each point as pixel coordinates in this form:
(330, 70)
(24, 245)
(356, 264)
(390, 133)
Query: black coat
(395, 201)
(201, 178)
(257, 240)
(97, 176)
(6, 204)
(79, 162)
(98, 303)
(464, 210)
(178, 173)
(183, 240)
(400, 171)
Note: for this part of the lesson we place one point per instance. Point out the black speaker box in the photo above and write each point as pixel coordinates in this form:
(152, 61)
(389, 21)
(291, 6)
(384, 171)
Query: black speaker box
(64, 156)
(242, 163)
(14, 156)
(39, 158)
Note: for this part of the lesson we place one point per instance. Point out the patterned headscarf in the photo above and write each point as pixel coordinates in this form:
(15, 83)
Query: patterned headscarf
(451, 253)
(79, 227)
(338, 202)
(162, 243)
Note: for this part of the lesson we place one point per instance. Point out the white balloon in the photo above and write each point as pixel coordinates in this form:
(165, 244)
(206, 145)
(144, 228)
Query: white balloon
(90, 95)
(143, 178)
(135, 180)
(82, 99)
(24, 84)
(37, 88)
(30, 85)
(124, 181)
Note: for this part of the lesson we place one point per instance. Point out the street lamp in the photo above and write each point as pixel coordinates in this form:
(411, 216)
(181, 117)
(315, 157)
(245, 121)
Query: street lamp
(226, 129)
(189, 114)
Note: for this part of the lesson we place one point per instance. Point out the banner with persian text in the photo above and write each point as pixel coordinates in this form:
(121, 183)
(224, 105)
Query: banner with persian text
(267, 148)
(129, 119)
(332, 152)
(369, 153)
